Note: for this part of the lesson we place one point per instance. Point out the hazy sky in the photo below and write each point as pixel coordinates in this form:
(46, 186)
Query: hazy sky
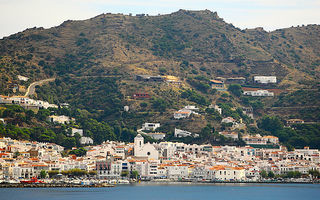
(17, 15)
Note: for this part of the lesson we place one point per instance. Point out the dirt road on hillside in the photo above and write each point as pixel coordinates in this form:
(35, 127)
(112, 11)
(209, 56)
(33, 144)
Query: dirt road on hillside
(32, 87)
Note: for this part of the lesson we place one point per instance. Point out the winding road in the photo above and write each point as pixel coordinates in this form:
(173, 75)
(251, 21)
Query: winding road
(32, 86)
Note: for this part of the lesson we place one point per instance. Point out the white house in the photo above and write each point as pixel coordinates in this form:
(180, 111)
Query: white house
(86, 140)
(22, 78)
(150, 126)
(259, 93)
(265, 79)
(60, 119)
(76, 130)
(181, 133)
(144, 150)
(126, 108)
(183, 113)
(191, 107)
(232, 135)
(228, 120)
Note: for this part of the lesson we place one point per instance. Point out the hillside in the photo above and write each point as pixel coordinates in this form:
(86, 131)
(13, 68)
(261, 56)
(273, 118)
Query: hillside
(95, 63)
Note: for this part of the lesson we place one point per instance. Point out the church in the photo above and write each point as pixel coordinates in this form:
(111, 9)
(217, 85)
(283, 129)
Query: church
(142, 150)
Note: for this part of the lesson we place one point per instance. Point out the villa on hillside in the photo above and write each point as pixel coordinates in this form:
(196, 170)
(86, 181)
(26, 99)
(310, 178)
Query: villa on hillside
(148, 78)
(294, 121)
(230, 134)
(265, 79)
(218, 85)
(182, 133)
(181, 114)
(259, 93)
(62, 119)
(150, 126)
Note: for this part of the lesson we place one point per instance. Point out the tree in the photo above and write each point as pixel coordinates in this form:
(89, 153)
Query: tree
(92, 173)
(293, 174)
(124, 173)
(134, 174)
(270, 123)
(159, 104)
(235, 89)
(16, 154)
(53, 173)
(79, 152)
(43, 114)
(43, 174)
(271, 174)
(263, 174)
(143, 104)
(314, 173)
(206, 132)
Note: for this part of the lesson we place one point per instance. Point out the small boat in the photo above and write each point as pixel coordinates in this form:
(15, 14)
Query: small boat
(32, 180)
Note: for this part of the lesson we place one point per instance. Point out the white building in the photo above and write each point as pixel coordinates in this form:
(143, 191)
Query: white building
(182, 133)
(144, 150)
(86, 140)
(259, 140)
(259, 93)
(126, 108)
(226, 173)
(181, 114)
(177, 171)
(265, 79)
(23, 172)
(191, 107)
(22, 78)
(228, 120)
(232, 135)
(218, 109)
(150, 126)
(76, 130)
(108, 169)
(60, 119)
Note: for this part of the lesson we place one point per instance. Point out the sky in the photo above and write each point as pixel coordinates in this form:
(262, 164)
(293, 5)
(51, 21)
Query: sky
(18, 15)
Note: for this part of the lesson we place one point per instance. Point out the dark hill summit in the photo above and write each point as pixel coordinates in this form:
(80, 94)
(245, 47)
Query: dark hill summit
(111, 42)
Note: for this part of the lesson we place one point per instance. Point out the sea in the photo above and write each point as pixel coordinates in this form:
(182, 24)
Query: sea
(170, 191)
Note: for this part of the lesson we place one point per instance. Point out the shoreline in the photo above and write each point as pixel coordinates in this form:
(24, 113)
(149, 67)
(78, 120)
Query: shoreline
(71, 185)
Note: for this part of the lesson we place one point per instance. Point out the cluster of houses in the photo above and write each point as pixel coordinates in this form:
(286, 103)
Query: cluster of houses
(220, 84)
(250, 139)
(26, 102)
(164, 160)
(62, 119)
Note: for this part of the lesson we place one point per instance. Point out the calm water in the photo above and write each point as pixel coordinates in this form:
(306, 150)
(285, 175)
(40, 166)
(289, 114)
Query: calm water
(169, 191)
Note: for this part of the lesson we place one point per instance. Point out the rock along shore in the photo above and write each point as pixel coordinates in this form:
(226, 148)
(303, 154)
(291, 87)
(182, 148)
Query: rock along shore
(52, 185)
